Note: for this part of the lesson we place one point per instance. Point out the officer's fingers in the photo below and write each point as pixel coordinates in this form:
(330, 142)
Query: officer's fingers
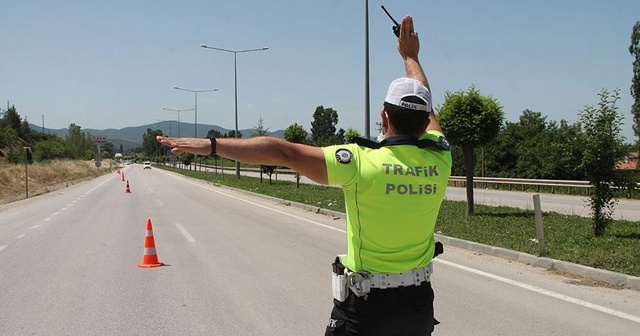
(164, 140)
(407, 25)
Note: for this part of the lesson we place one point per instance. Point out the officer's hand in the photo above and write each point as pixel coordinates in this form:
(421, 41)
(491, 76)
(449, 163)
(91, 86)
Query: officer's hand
(190, 145)
(408, 42)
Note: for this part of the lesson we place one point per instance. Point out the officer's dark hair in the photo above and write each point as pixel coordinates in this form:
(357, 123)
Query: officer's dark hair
(407, 121)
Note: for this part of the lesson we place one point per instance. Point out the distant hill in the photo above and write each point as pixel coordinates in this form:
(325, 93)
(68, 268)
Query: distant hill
(131, 137)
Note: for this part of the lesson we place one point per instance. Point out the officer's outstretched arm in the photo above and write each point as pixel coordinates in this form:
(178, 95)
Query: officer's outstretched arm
(307, 160)
(409, 47)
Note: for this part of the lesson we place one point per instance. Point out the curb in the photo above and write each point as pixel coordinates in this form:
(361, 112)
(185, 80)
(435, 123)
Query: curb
(612, 278)
(619, 280)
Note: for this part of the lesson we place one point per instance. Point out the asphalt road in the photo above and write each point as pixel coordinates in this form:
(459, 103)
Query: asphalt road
(242, 265)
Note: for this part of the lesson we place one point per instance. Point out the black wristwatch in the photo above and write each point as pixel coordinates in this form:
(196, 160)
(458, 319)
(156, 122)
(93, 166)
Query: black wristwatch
(213, 145)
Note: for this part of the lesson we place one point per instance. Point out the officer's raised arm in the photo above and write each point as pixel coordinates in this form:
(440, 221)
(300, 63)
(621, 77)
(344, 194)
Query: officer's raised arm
(409, 47)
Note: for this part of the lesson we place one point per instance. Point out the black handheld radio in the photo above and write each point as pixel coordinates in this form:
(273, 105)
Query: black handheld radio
(396, 28)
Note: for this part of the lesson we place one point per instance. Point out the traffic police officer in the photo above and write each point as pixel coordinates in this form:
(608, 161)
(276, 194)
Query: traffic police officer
(393, 192)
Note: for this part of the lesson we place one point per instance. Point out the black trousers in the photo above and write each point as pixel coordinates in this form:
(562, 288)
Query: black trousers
(403, 311)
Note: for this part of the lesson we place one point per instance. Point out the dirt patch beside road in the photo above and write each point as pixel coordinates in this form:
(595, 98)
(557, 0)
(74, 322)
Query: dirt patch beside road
(46, 177)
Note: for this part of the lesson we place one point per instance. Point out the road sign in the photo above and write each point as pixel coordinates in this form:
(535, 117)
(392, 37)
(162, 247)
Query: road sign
(99, 138)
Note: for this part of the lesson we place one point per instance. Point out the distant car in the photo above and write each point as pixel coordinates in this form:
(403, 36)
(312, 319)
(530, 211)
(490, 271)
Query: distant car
(146, 165)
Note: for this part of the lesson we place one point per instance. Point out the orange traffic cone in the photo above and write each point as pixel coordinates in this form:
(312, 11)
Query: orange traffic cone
(123, 175)
(149, 258)
(127, 191)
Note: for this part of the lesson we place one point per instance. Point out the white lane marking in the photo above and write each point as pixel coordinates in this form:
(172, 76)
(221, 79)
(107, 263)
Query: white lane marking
(36, 226)
(55, 213)
(96, 187)
(489, 275)
(46, 219)
(159, 202)
(264, 206)
(20, 236)
(3, 247)
(185, 233)
(63, 209)
(69, 205)
(545, 292)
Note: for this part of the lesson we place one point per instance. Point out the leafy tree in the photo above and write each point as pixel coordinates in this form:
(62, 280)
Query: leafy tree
(563, 152)
(11, 119)
(25, 131)
(470, 120)
(78, 144)
(12, 154)
(6, 134)
(261, 130)
(634, 49)
(339, 138)
(150, 146)
(457, 168)
(297, 134)
(323, 126)
(232, 134)
(498, 156)
(603, 146)
(15, 132)
(107, 149)
(53, 148)
(350, 134)
(531, 147)
(15, 155)
(9, 127)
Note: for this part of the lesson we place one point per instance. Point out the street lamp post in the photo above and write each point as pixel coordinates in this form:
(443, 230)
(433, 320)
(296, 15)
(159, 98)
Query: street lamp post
(196, 106)
(195, 132)
(235, 75)
(168, 109)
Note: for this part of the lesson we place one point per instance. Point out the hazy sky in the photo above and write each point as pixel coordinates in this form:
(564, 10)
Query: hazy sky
(113, 64)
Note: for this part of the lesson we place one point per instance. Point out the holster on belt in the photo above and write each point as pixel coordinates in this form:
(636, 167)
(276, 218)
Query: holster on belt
(339, 285)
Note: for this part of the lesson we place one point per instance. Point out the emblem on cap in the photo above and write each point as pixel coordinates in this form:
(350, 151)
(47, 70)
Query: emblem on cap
(344, 155)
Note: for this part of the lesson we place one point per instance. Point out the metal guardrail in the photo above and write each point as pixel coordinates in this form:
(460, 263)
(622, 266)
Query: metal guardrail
(510, 182)
(522, 183)
(493, 180)
(518, 181)
(538, 183)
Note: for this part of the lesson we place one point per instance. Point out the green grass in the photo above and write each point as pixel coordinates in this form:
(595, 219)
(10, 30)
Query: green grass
(567, 237)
